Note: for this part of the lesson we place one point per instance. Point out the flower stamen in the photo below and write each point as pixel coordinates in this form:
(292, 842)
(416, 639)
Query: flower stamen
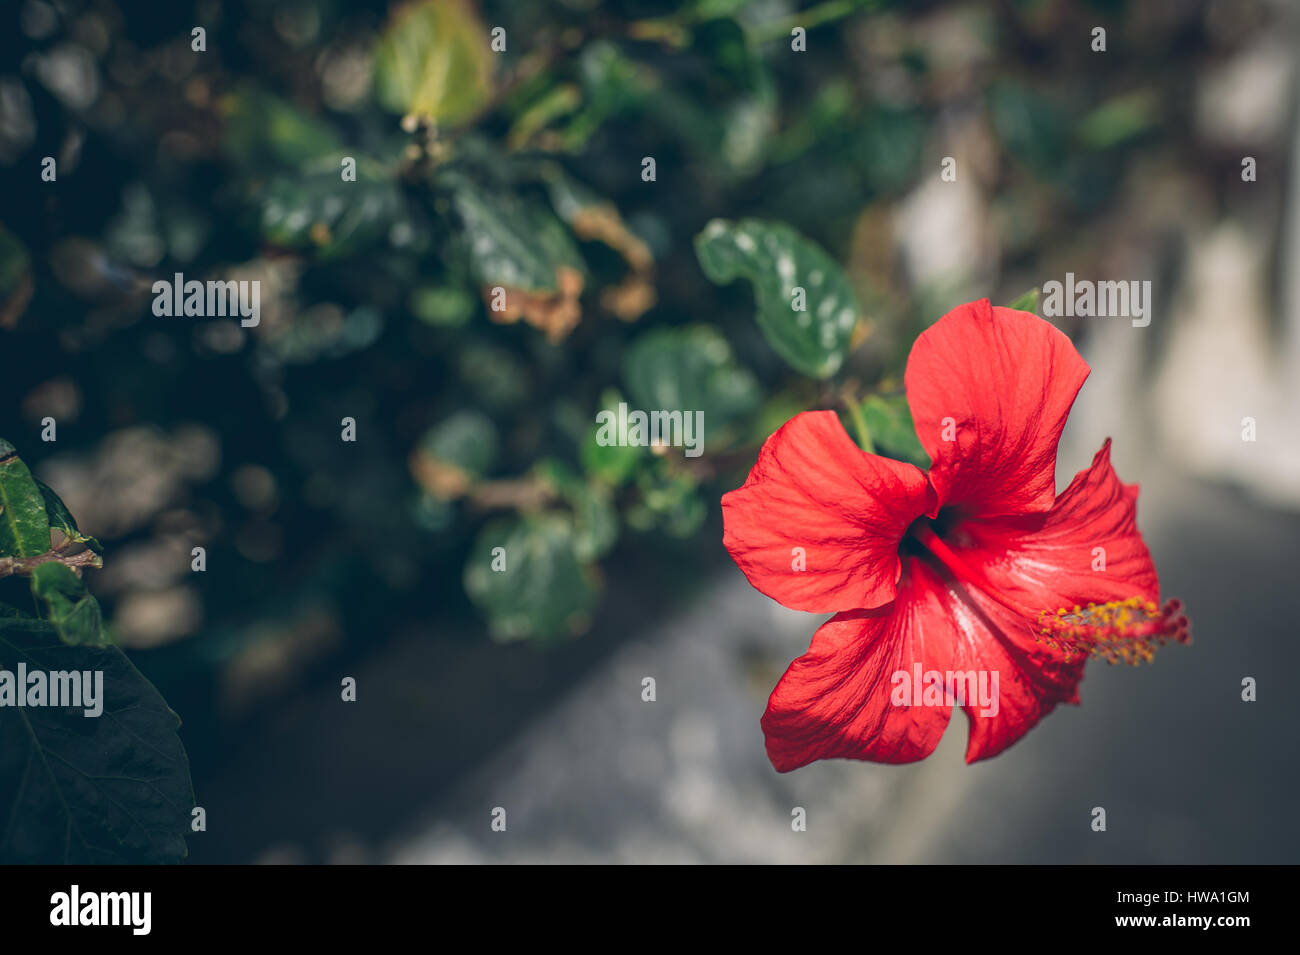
(1121, 631)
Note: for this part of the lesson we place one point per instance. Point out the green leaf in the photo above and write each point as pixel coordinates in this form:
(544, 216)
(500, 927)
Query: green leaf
(542, 590)
(445, 306)
(612, 81)
(454, 453)
(68, 606)
(77, 789)
(595, 522)
(15, 278)
(612, 84)
(261, 127)
(689, 369)
(1028, 302)
(512, 244)
(612, 464)
(1120, 119)
(467, 439)
(24, 527)
(889, 422)
(61, 519)
(15, 263)
(434, 60)
(592, 217)
(887, 146)
(731, 53)
(536, 114)
(1031, 125)
(595, 519)
(315, 209)
(522, 255)
(668, 500)
(813, 339)
(569, 197)
(738, 124)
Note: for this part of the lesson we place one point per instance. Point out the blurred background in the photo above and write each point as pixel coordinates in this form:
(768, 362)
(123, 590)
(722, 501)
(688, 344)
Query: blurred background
(520, 164)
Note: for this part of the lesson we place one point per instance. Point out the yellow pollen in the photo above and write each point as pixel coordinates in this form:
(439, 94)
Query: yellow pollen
(1121, 631)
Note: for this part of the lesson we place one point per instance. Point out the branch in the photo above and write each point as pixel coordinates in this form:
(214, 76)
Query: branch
(23, 566)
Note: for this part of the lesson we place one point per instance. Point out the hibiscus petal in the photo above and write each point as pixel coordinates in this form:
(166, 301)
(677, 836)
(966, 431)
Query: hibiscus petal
(816, 525)
(1042, 563)
(1031, 678)
(837, 699)
(1087, 548)
(990, 389)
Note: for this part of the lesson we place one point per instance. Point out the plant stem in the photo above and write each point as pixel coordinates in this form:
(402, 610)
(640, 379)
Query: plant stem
(23, 566)
(850, 399)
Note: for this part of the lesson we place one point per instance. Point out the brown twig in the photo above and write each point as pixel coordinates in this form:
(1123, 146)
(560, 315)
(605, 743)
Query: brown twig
(23, 566)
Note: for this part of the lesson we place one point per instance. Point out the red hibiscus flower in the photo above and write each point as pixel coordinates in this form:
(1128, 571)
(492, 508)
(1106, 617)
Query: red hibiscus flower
(975, 569)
